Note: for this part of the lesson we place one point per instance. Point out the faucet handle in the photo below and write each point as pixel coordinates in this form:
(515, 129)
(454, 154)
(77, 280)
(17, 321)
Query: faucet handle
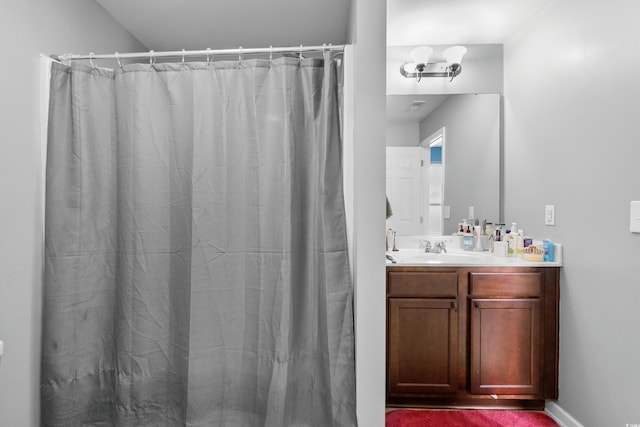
(427, 245)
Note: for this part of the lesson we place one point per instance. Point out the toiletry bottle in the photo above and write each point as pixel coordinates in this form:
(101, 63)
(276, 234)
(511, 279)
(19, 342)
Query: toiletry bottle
(478, 238)
(547, 245)
(467, 239)
(513, 244)
(520, 244)
(510, 244)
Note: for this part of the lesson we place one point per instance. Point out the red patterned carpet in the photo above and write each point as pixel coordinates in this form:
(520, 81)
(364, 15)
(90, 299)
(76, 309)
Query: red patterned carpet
(467, 418)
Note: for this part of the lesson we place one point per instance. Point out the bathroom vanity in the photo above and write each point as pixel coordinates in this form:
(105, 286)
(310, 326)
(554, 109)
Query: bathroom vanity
(463, 333)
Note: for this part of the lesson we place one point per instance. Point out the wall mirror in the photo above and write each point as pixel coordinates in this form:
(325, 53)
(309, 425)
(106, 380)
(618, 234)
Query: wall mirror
(443, 161)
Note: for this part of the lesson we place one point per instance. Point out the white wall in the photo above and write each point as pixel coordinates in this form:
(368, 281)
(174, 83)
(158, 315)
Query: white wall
(369, 39)
(572, 125)
(471, 155)
(403, 134)
(29, 28)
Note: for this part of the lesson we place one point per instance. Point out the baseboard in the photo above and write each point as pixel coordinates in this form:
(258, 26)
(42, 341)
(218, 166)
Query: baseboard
(562, 417)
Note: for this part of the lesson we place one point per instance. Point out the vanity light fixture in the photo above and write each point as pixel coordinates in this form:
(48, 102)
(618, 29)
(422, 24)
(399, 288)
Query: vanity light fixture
(421, 67)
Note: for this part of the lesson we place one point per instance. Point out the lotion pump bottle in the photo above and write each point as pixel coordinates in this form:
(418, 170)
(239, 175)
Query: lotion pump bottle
(478, 238)
(520, 244)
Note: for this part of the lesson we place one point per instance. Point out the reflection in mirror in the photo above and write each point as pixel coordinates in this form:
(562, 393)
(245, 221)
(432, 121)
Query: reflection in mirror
(433, 182)
(432, 189)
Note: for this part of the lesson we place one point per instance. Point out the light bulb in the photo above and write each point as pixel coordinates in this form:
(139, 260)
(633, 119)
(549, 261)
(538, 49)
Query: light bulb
(454, 54)
(410, 67)
(421, 54)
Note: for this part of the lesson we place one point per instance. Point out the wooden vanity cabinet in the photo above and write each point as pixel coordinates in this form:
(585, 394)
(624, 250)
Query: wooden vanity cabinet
(423, 333)
(472, 337)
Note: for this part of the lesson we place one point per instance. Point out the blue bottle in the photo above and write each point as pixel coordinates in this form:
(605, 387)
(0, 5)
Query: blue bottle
(547, 245)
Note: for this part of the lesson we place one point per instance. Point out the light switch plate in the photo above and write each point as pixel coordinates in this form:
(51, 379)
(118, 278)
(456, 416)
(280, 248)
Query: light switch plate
(472, 212)
(634, 220)
(447, 212)
(550, 215)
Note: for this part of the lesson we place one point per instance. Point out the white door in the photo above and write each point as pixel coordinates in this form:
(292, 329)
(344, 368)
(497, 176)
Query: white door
(404, 189)
(436, 176)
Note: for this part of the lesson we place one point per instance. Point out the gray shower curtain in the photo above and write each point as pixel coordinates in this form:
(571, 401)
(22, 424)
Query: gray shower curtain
(196, 268)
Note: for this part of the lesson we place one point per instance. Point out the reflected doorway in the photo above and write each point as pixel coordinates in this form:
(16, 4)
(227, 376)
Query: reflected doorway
(415, 187)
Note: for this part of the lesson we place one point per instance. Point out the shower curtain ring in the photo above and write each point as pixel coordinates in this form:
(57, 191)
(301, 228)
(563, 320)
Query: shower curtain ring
(270, 52)
(151, 57)
(300, 54)
(91, 55)
(183, 53)
(118, 59)
(208, 58)
(240, 54)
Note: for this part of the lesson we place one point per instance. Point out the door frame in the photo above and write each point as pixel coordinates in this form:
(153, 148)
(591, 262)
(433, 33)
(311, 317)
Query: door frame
(426, 144)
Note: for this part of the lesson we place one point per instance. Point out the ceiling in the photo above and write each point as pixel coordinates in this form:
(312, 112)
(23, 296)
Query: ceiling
(198, 24)
(412, 22)
(225, 24)
(221, 24)
(412, 108)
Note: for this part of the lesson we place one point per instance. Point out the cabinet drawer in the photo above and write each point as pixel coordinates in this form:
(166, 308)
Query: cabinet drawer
(508, 284)
(414, 284)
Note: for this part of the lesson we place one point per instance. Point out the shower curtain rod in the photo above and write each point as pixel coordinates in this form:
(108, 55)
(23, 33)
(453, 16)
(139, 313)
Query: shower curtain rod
(207, 52)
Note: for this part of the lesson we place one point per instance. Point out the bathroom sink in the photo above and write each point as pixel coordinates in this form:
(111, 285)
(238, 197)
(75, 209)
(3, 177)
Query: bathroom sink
(453, 258)
(449, 258)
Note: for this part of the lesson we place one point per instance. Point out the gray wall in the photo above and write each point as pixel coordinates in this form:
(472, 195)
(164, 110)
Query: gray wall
(366, 138)
(29, 28)
(572, 109)
(403, 134)
(471, 155)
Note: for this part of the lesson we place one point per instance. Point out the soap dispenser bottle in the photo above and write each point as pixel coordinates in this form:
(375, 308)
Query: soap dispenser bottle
(512, 241)
(520, 244)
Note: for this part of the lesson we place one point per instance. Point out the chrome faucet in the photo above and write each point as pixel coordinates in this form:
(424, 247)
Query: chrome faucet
(426, 243)
(439, 248)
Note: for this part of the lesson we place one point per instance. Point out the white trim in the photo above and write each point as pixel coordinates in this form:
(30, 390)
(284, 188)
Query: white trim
(45, 77)
(426, 144)
(347, 147)
(439, 134)
(561, 416)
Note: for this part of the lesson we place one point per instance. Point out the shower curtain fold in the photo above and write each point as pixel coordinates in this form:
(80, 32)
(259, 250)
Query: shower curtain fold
(196, 266)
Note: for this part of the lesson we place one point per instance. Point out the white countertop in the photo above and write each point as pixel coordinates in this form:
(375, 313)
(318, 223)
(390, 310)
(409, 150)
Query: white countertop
(456, 257)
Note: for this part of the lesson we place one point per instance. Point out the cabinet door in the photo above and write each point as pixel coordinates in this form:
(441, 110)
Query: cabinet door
(506, 345)
(422, 345)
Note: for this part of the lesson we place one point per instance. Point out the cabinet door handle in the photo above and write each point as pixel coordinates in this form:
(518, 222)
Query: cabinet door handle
(454, 305)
